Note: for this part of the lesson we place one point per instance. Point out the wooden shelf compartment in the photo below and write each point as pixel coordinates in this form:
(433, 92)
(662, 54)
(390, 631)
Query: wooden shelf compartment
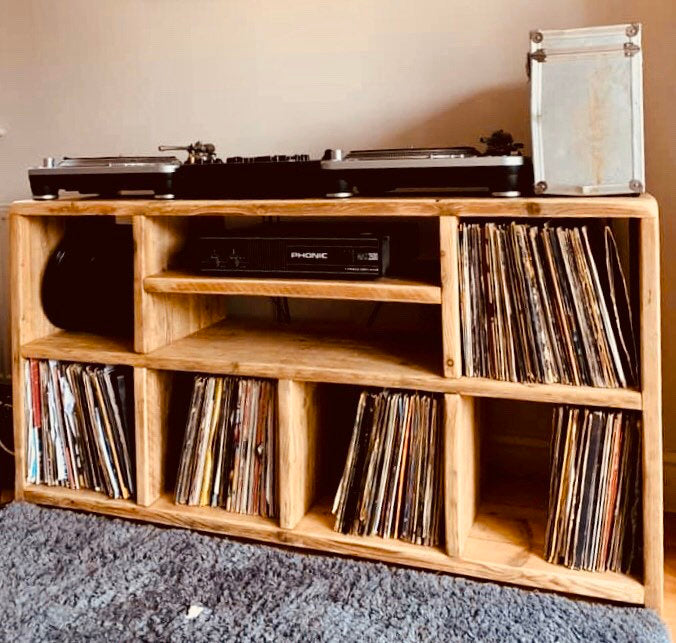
(507, 544)
(33, 240)
(316, 426)
(389, 289)
(161, 424)
(505, 503)
(64, 496)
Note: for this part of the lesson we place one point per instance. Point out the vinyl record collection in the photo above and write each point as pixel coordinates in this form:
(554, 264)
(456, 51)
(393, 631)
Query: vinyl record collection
(79, 425)
(539, 305)
(391, 484)
(595, 490)
(228, 455)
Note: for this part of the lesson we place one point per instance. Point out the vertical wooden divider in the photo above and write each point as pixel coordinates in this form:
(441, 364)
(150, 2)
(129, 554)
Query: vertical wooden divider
(298, 449)
(159, 318)
(651, 378)
(31, 241)
(450, 296)
(461, 442)
(152, 394)
(461, 470)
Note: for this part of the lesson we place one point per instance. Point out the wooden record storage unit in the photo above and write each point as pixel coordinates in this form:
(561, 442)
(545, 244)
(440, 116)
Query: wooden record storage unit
(181, 326)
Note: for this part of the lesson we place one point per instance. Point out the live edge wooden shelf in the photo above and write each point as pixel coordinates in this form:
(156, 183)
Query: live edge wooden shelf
(181, 325)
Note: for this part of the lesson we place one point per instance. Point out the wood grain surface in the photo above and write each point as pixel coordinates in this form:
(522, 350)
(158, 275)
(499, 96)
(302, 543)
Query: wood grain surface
(320, 354)
(651, 376)
(298, 449)
(461, 470)
(383, 289)
(602, 207)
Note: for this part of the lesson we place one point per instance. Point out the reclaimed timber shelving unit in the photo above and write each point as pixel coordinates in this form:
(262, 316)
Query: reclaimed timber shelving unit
(181, 325)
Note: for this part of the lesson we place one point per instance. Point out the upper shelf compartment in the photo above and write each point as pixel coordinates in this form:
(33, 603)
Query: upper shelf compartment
(643, 206)
(275, 257)
(73, 279)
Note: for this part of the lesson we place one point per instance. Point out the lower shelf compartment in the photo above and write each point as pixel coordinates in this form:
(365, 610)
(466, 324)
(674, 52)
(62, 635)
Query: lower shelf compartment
(502, 546)
(507, 543)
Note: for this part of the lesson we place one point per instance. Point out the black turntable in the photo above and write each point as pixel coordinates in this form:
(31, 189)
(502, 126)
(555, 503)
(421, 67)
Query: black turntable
(499, 171)
(105, 176)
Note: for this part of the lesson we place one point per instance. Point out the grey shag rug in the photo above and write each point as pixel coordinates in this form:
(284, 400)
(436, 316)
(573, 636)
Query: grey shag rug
(67, 576)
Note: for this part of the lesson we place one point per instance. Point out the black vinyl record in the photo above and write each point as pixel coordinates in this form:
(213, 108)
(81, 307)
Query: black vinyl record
(88, 284)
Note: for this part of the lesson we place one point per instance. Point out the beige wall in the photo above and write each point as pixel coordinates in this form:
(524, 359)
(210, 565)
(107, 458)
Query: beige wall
(121, 76)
